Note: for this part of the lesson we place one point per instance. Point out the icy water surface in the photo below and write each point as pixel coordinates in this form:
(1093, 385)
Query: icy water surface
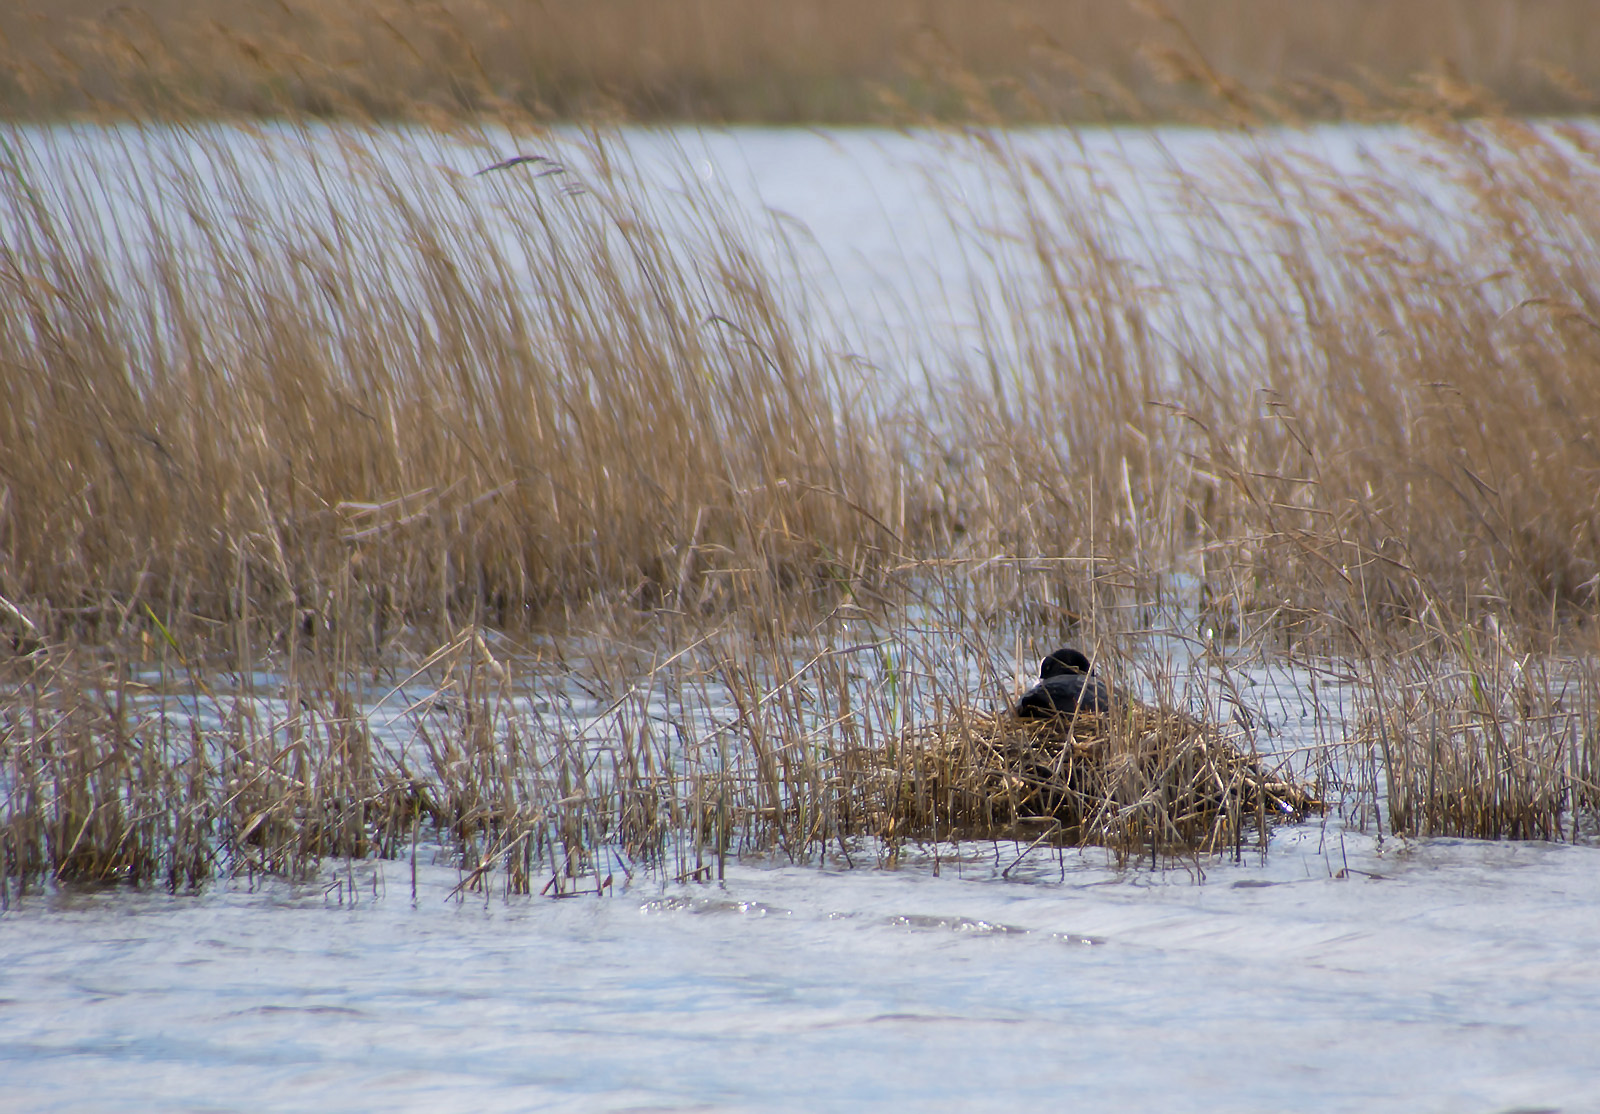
(1427, 976)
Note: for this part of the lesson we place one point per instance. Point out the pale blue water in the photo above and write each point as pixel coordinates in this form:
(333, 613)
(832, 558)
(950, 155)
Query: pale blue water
(1432, 976)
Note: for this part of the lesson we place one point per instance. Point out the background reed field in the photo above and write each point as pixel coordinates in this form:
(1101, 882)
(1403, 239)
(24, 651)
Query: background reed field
(809, 61)
(347, 496)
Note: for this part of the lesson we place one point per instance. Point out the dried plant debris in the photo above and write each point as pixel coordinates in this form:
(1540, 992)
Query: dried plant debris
(1138, 777)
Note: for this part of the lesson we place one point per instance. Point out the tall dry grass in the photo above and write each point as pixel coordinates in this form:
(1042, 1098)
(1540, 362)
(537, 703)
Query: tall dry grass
(1480, 738)
(810, 61)
(354, 389)
(287, 408)
(552, 765)
(1352, 393)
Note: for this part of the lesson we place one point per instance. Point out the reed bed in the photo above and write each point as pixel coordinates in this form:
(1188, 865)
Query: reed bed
(659, 573)
(805, 62)
(1476, 741)
(356, 391)
(330, 376)
(1352, 393)
(550, 766)
(138, 771)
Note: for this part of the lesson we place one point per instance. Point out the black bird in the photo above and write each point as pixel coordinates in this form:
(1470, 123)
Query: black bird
(1065, 685)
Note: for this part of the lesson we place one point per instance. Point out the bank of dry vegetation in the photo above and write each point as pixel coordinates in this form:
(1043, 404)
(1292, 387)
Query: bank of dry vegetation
(809, 61)
(357, 388)
(308, 401)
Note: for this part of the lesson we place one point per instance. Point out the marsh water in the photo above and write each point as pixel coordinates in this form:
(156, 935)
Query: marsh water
(1329, 970)
(1439, 975)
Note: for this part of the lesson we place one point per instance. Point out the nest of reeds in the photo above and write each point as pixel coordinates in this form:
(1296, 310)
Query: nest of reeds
(1135, 778)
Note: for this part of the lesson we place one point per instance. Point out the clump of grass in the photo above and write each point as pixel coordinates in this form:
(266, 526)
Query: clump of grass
(1142, 777)
(1474, 740)
(1420, 378)
(159, 768)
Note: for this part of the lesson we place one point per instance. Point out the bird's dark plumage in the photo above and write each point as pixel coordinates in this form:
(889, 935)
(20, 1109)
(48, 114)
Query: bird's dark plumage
(1065, 685)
